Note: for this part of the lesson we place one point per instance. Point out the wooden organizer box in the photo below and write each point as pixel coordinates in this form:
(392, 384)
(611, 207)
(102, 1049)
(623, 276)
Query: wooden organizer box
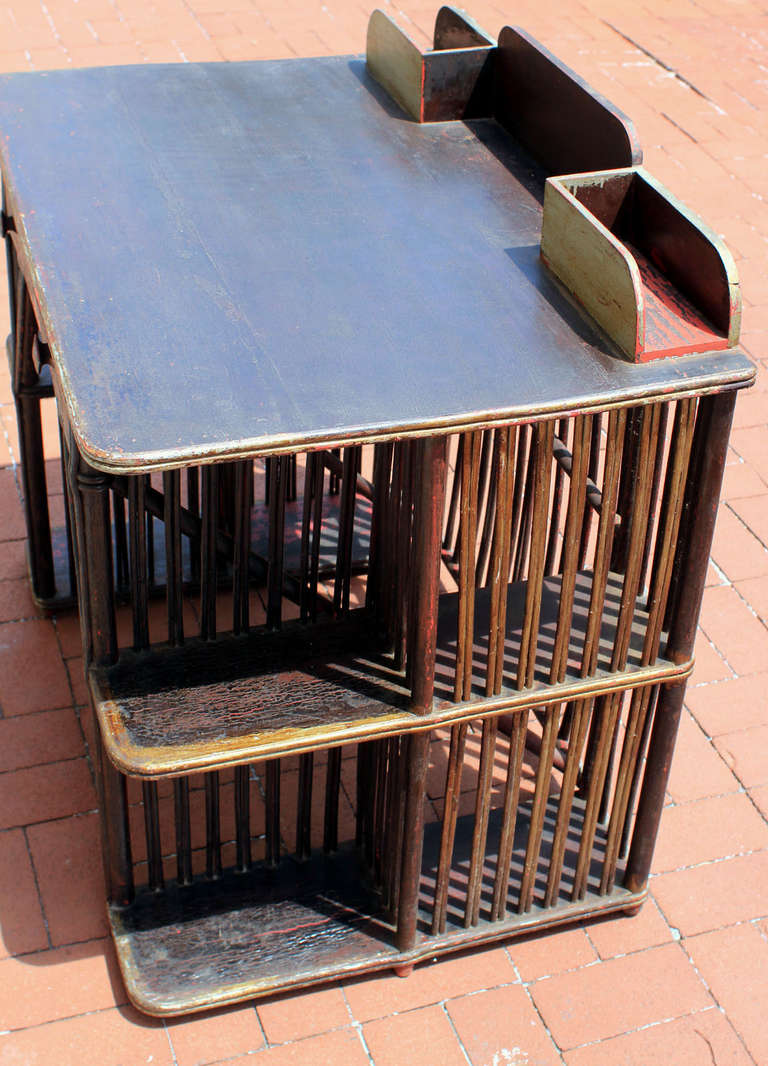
(650, 273)
(655, 278)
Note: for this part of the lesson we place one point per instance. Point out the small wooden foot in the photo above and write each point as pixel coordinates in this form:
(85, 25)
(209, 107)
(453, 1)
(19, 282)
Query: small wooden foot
(630, 912)
(403, 971)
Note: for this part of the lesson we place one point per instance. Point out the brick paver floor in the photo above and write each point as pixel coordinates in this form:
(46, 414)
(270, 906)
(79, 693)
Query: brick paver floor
(684, 982)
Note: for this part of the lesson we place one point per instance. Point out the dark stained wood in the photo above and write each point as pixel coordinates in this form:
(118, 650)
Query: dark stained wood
(320, 249)
(563, 123)
(311, 307)
(237, 698)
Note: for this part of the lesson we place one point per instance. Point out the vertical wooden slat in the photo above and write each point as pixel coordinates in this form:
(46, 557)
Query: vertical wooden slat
(416, 753)
(173, 575)
(381, 813)
(448, 833)
(341, 587)
(539, 808)
(627, 486)
(272, 804)
(291, 478)
(482, 813)
(147, 479)
(183, 831)
(68, 517)
(500, 561)
(636, 539)
(304, 807)
(33, 472)
(139, 575)
(364, 795)
(592, 474)
(403, 503)
(378, 572)
(509, 819)
(306, 525)
(658, 466)
(578, 732)
(212, 826)
(582, 435)
(557, 500)
(638, 772)
(605, 533)
(193, 506)
(208, 557)
(543, 434)
(317, 535)
(453, 510)
(395, 827)
(428, 507)
(243, 489)
(122, 568)
(276, 541)
(606, 709)
(470, 472)
(638, 710)
(523, 500)
(332, 793)
(243, 817)
(669, 525)
(486, 504)
(152, 833)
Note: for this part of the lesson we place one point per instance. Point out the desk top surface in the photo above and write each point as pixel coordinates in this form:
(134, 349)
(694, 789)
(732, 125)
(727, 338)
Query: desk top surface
(234, 259)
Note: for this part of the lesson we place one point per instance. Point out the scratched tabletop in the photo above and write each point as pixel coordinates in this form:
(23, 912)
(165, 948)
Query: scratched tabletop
(242, 258)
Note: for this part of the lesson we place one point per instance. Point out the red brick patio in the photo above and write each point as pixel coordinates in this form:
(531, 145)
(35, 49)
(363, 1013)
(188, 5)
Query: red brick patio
(686, 981)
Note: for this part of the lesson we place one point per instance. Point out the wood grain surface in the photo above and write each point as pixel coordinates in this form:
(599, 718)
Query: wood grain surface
(244, 258)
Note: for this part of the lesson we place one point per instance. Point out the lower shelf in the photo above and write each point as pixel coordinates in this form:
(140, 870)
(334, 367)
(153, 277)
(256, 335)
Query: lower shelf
(249, 935)
(246, 935)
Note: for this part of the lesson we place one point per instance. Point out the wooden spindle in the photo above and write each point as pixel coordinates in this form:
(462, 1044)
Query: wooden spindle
(605, 533)
(152, 833)
(542, 461)
(173, 575)
(183, 830)
(137, 531)
(304, 807)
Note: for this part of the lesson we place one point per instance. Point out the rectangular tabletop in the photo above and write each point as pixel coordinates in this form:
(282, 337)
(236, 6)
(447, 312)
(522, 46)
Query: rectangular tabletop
(236, 259)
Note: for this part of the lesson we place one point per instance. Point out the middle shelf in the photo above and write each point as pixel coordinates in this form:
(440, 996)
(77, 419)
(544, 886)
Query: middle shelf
(237, 699)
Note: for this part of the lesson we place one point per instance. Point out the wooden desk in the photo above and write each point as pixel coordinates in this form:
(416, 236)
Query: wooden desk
(229, 263)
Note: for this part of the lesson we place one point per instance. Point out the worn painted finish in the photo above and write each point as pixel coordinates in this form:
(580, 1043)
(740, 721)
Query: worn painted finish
(452, 81)
(241, 699)
(592, 264)
(240, 259)
(564, 123)
(381, 251)
(656, 279)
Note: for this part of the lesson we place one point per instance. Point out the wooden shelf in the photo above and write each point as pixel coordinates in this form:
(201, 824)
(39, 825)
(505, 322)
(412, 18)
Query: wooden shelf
(246, 935)
(169, 711)
(235, 699)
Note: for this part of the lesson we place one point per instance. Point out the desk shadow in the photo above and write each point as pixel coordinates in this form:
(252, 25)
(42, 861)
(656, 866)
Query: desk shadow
(527, 259)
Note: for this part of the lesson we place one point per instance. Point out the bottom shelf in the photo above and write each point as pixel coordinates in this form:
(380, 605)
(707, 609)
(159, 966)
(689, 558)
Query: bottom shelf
(247, 935)
(250, 935)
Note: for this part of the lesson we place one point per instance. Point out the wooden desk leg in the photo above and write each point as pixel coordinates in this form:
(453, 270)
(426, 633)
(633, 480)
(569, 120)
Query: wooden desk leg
(428, 517)
(31, 448)
(97, 588)
(702, 493)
